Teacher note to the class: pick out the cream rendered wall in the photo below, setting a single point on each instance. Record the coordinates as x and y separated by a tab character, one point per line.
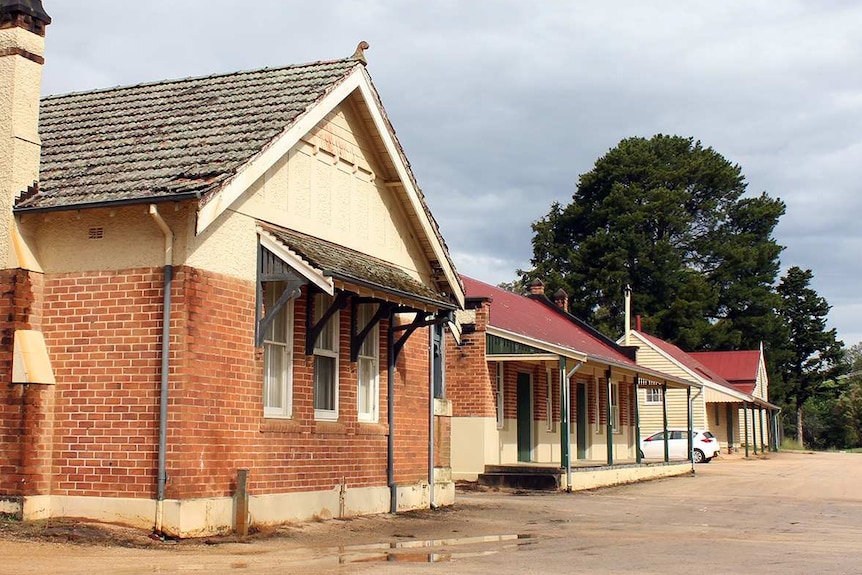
126	237
330	186
20	84
469	456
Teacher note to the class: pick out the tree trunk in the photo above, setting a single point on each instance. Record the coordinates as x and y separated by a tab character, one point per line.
799	427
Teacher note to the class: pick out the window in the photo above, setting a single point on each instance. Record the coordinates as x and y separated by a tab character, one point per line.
653	394
717	409
500	395
438	363
549	400
325	361
598	409
368	366
615	407
278	356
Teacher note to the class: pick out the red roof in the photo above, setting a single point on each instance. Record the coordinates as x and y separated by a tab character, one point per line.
531	318
687	360
738	367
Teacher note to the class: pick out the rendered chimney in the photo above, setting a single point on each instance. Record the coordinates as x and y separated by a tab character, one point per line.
22	48
561	298
537	287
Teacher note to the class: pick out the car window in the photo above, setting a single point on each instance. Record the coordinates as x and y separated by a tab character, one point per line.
656	436
708	435
676	434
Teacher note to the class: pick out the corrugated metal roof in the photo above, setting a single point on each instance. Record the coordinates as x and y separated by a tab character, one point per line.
740	368
167	139
685	359
531	318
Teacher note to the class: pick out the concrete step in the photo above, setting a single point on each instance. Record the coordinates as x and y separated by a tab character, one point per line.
532	480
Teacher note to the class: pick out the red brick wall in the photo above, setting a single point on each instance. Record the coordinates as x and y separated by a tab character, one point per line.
470	380
26	420
103	331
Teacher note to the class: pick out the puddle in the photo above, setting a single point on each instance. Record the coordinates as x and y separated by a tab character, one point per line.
431	550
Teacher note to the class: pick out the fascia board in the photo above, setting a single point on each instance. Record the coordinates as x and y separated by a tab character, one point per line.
392	148
526	340
273	152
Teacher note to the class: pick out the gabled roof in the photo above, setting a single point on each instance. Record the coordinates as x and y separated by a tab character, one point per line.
529	317
683	359
740	368
209	139
168	139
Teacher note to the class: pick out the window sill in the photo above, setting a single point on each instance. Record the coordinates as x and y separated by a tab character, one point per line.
372	428
280	426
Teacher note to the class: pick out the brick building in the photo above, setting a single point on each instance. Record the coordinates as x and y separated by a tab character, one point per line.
518	356
215	287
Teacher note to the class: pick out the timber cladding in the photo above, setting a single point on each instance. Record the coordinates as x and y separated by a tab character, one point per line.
103	332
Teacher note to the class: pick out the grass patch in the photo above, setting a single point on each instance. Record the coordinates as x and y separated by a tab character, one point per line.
791	445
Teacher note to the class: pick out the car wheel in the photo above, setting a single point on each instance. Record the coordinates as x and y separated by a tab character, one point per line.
698	456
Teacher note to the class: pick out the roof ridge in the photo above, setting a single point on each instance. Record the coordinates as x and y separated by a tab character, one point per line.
202	77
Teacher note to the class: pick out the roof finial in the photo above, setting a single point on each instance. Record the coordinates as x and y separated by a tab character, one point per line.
359	55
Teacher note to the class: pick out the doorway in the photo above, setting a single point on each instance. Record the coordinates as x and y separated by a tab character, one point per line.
582	420
525	417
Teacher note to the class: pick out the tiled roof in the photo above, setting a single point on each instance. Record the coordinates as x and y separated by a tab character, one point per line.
168	139
528	317
738	367
349	265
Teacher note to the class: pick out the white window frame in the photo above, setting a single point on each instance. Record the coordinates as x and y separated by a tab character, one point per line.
649	391
365	313
549	399
501	385
329	350
615	407
281	343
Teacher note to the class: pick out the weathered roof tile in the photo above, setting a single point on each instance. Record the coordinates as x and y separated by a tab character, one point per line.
168	138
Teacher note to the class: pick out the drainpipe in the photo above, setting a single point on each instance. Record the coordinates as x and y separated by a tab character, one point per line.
163	395
431	373
390	415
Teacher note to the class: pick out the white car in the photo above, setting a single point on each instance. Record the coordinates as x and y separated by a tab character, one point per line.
705	445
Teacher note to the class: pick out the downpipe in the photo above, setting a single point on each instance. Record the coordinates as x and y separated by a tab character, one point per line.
163	390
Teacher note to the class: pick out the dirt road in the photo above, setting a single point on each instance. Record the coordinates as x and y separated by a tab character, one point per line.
791	513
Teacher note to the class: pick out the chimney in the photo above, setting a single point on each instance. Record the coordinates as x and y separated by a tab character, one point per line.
561	298
537	287
627	294
22	47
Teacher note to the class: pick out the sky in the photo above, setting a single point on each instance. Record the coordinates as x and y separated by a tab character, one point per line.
501	105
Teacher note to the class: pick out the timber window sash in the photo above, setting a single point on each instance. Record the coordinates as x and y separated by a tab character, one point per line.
278	355
549	399
368	364
615	407
325	354
652	395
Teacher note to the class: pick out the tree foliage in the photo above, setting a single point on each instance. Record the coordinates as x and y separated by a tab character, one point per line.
666	216
813	354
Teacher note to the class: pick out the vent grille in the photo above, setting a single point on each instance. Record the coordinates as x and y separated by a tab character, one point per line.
96	233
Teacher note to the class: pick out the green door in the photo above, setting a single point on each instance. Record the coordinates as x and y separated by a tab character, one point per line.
582	421
525	417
